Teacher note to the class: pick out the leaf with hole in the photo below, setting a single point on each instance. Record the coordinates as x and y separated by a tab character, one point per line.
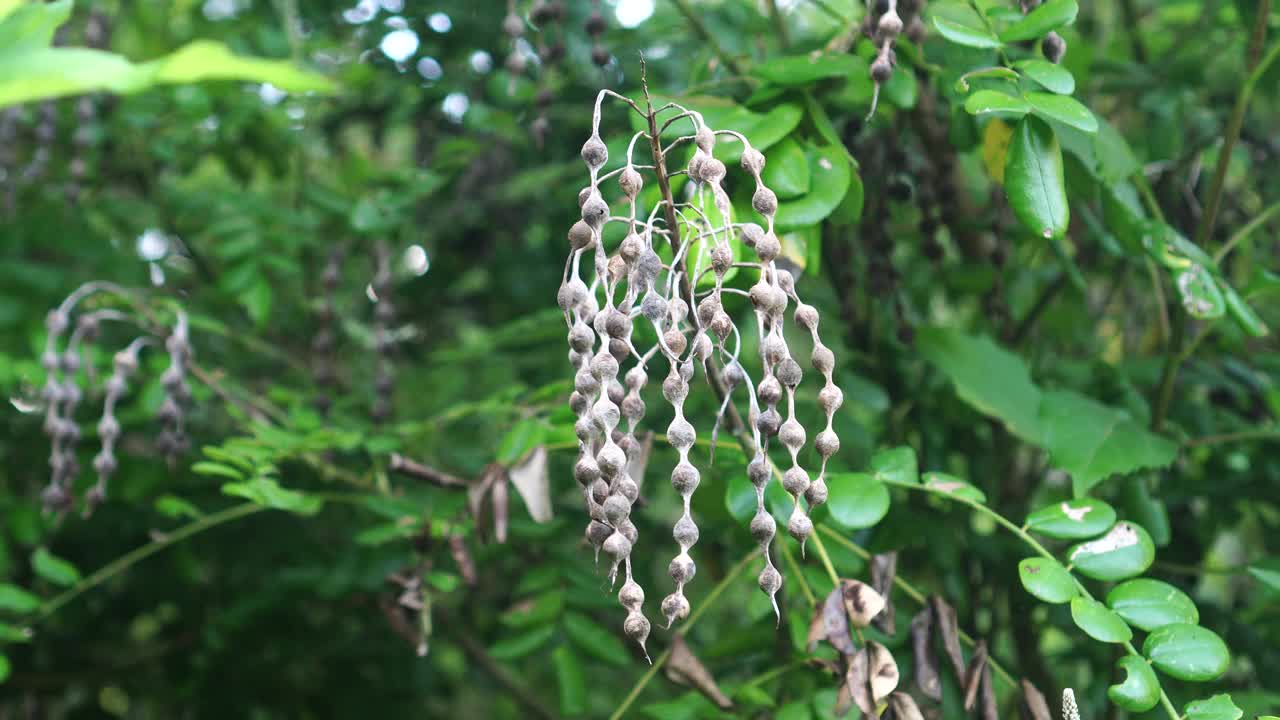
1051	77
1187	652
985	102
1200	294
1140	690
1072	519
1149	604
1124	552
953	486
1218	707
1098	622
856	500
1034	181
966	35
1047	580
1041	21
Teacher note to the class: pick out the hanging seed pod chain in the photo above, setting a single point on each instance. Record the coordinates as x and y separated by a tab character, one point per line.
603	294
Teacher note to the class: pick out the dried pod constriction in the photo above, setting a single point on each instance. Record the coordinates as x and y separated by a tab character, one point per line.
1034	705
883	569
944	616
928	679
172	441
973	674
603	296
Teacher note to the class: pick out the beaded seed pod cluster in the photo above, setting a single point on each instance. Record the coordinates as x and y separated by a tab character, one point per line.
692	328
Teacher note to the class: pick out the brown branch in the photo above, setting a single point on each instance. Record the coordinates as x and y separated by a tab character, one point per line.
410	468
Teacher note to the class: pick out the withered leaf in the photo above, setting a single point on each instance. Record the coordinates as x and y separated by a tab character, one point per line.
530	478
861	602
844	701
462	557
883	569
882	671
926	664
834	623
945	617
857	680
1034	706
990	710
501	507
903	707
685	668
973	674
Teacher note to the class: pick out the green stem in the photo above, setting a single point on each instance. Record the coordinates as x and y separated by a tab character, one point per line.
128	560
795	569
1034	545
1245	231
684	628
1259	434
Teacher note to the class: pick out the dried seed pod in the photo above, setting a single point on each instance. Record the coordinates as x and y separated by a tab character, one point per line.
1054	47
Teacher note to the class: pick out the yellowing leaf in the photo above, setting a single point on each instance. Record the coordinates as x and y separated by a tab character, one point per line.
995	145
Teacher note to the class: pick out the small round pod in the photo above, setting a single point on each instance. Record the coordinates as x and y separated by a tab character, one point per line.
685	532
675	607
675	340
581	338
595	211
712	170
631	596
824	361
512	25
768	247
768	422
799	526
705	139
769	390
571	294
1053	47
752	161
631	182
751	234
618	546
817	493
685	479
827	443
792	435
653	307
616	509
795	480
889	26
594	152
758	470
586	471
770	582
789	373
680	434
881	70
636	627
763	527
764	201
682	569
674	388
830	398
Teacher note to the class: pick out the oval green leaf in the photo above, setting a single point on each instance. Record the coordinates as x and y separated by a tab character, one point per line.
523	644
1148	604
572	681
16	600
1187	652
595	640
896	465
1034	181
53	568
953	486
1047	580
997	72
966	35
829	173
1124	552
1098	622
787	170
4	668
1064	109
985	102
1140	690
1244	315
1053	78
804	69
1200	294
1218	707
1039	22
1073	519
856	500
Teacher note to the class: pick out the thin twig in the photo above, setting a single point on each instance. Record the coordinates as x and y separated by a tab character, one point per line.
1242	436
398	463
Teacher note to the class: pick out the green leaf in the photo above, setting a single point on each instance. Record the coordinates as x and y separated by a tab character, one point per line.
539	610
989	378
268	493
966	35
1039	22
4	668
173	506
1047	580
829	173
13	634
896	465
594	640
1051	77
571	680
1148	604
1098	622
32	24
1218	707
206	467
993	101
523	644
792	70
768	130
999	72
39	73
1244	315
787	169
1124	552
1064	109
1092	441
520	439
954	486
17	600
856	500
1187	652
1034	181
1269	576
1200	294
53	568
1140	690
1073	519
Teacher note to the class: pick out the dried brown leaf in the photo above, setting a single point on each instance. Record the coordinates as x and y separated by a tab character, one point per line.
501	506
858	680
835	623
530	478
462	558
1034	706
883	569
926	664
861	602
973	674
685	668
844	701
990	709
944	616
882	671
903	707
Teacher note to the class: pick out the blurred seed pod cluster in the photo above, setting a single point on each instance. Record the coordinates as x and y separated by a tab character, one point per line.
632	284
